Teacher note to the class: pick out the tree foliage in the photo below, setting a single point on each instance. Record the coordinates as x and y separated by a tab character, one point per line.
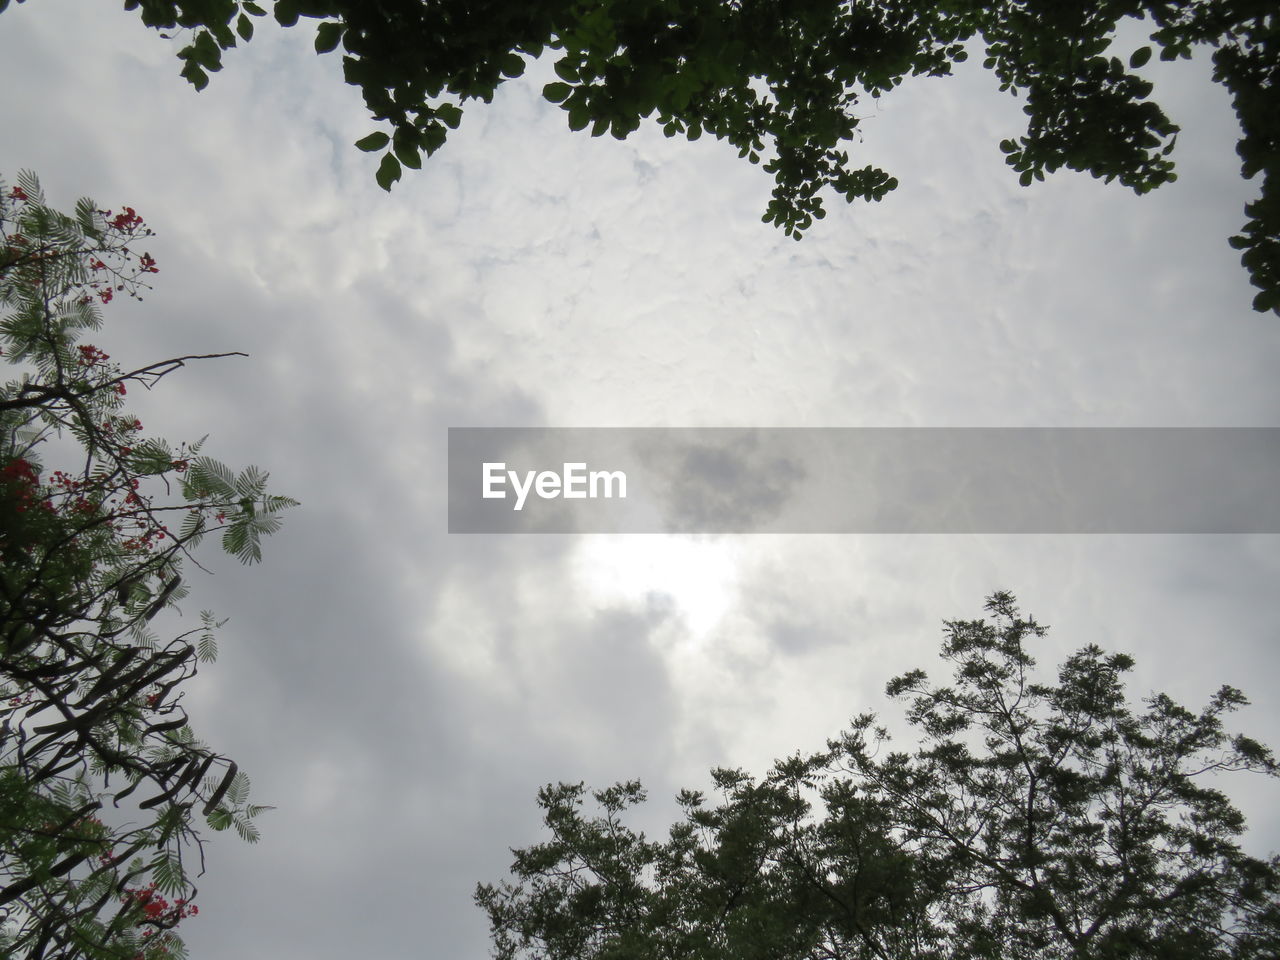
1037	820
102	780
781	81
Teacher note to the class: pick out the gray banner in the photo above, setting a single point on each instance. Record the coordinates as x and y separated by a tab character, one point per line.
872	480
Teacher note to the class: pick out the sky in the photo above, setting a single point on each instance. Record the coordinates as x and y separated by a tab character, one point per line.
398	693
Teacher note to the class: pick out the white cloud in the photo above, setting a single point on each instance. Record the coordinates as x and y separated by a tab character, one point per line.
399	693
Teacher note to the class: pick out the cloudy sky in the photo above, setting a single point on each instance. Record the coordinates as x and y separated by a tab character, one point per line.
398	693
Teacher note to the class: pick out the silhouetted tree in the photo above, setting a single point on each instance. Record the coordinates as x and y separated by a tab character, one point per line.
781	81
1035	819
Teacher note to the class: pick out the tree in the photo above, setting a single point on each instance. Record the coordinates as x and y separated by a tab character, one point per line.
1034	820
781	82
102	781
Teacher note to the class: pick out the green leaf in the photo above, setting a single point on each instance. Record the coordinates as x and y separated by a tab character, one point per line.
433	137
241	541
512	65
450	113
1140	57
388	172
374	141
286	12
222	33
205	50
565	70
168	874
1267	300
194	75
276	503
244	27
409	155
251	482
208	475
328	35
207	649
557	92
238	792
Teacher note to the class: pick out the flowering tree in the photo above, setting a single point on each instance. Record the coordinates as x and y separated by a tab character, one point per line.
102	781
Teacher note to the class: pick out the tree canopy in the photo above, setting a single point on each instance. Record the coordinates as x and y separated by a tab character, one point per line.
1036	819
103	783
780	81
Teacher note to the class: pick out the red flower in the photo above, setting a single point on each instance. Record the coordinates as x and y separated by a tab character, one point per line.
19	469
127	220
90	355
17	193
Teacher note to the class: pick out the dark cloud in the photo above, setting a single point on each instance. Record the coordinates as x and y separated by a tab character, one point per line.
399	694
726	482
